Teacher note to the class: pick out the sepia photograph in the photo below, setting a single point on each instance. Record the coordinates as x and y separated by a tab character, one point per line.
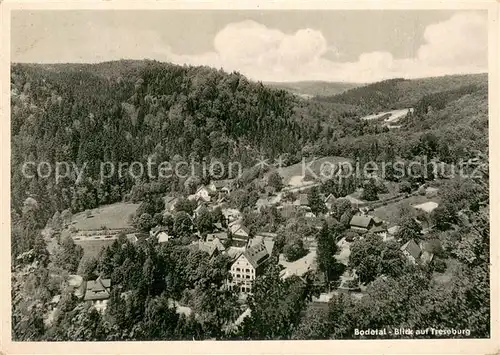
248	174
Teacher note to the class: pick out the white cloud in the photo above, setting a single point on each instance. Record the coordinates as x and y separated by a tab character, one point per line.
457	45
461	40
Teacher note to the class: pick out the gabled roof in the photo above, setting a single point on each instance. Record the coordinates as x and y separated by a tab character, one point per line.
360	221
163	237
156	230
234	252
239	243
209	247
412	248
268	243
330	197
256	255
211	187
97	289
237	228
218	235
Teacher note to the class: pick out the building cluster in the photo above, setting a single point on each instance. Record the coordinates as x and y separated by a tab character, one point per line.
249	253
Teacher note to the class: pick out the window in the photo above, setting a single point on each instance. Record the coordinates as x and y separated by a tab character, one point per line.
248	276
237	269
247	270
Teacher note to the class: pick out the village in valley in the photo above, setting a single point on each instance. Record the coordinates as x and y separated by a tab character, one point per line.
261	177
211	221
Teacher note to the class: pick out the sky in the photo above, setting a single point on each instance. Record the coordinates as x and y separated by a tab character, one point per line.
272	45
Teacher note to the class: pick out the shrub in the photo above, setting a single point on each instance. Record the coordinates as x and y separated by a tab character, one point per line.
439	265
294	250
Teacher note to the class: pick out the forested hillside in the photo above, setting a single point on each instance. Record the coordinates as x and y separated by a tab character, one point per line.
401	93
135	111
128	111
314	88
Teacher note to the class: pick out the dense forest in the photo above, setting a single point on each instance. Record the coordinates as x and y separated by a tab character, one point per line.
128	111
313	88
399	93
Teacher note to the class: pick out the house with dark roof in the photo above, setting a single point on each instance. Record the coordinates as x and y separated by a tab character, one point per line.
247	266
260	239
212	248
411	250
98	292
366	223
219	235
239	231
360	223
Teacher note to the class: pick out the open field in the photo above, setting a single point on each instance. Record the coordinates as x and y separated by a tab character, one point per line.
113	216
93	245
393	190
390	212
390	116
292	174
92	248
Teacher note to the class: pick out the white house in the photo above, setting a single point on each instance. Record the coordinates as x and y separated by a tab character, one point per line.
247	266
163	237
203	193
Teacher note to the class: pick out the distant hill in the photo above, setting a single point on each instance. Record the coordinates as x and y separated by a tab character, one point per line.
397	93
308	89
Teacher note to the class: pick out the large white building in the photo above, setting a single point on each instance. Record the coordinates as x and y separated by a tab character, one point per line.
247	266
